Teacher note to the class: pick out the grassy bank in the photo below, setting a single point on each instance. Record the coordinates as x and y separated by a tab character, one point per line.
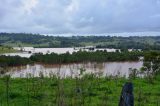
6	50
87	91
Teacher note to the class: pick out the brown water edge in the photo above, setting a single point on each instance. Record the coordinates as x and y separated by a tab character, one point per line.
56	65
68	70
86	62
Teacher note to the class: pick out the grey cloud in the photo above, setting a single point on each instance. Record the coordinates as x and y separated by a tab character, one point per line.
79	16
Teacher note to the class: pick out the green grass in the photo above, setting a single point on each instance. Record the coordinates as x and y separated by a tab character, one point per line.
87	91
6	50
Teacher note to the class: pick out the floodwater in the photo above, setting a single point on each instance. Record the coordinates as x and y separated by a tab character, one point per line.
69	70
73	70
28	51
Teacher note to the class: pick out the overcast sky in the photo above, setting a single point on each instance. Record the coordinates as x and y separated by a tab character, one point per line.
79	16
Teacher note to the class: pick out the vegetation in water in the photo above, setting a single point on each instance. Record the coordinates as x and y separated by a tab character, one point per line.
83	90
83	56
76	57
6	61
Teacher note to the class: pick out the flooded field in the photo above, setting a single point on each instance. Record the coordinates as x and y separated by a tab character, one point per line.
28	51
70	70
73	70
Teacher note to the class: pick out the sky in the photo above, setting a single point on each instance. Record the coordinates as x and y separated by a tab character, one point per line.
80	16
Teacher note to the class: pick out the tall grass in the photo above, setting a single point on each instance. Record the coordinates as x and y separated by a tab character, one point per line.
86	90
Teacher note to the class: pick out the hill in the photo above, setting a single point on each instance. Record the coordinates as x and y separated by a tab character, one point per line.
37	40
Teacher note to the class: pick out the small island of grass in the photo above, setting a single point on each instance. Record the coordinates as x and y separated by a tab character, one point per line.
6	49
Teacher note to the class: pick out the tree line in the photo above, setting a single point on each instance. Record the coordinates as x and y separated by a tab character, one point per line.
37	40
6	61
84	56
75	57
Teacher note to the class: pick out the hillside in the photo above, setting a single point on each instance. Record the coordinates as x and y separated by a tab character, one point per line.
37	40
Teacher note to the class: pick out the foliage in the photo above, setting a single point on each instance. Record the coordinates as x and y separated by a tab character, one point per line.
83	56
6	61
152	62
151	65
37	40
76	57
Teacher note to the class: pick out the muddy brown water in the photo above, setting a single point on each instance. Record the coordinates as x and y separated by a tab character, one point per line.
72	70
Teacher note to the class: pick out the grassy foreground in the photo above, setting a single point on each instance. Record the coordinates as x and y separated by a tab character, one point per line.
87	91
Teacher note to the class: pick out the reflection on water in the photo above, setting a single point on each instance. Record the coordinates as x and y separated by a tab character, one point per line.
28	51
21	54
72	70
